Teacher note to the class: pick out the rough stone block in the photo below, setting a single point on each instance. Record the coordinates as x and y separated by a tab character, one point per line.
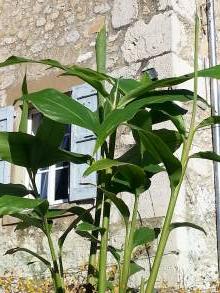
163	34
124	12
185	8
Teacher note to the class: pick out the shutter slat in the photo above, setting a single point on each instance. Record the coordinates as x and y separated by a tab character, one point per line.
6	124
82	141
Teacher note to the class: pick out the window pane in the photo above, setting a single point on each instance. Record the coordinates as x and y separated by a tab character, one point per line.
36	119
42	184
62	184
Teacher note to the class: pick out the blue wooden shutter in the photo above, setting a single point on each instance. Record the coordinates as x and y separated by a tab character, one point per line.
6	124
82	141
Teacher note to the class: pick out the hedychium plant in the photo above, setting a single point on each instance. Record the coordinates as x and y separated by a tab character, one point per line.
138	104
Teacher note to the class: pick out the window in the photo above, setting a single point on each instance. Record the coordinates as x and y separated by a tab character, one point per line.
6	124
65	182
52	182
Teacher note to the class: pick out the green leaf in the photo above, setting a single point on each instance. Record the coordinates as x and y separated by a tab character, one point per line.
13	60
100	49
134	268
170	137
85	227
130	178
155	146
133	156
209	121
118	116
82	214
127	177
88	75
206	155
186	224
115	253
10	204
169	111
51	132
62	108
213	72
102	165
126	85
28	220
28	151
120	204
14	189
24	115
43	260
144	235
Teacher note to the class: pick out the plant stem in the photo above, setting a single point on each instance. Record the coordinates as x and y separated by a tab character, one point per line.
175	192
92	267
128	249
101	67
57	279
103	246
105	224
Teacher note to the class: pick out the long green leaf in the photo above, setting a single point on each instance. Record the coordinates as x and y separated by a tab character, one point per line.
130	178
10	204
209	121
118	116
213	72
82	214
100	49
170	137
62	108
51	132
102	165
85	227
24	114
14	189
88	75
186	224
155	146
28	151
206	155
43	260
120	204
127	177
134	156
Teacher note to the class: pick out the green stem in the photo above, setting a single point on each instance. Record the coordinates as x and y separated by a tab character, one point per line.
92	267
105	224
57	279
104	246
128	249
175	192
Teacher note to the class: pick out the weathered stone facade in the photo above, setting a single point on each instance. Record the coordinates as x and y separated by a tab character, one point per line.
141	34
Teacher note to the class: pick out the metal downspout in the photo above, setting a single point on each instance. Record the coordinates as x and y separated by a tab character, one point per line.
215	102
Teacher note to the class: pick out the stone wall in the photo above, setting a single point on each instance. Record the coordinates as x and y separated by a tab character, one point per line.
141	34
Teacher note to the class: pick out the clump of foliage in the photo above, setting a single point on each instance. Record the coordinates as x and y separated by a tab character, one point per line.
138	104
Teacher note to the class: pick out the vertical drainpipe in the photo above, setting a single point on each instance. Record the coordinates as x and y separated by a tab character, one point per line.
215	102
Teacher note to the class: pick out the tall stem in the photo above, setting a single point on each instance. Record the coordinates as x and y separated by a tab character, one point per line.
105	225
128	249
174	194
57	279
101	67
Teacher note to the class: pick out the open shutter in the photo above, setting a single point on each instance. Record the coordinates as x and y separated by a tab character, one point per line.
82	141
6	124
